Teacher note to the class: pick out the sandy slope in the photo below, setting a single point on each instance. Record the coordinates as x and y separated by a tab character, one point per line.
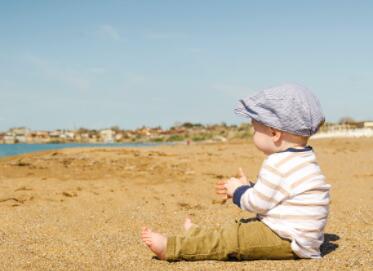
82	209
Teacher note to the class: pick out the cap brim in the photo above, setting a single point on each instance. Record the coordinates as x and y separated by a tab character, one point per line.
244	109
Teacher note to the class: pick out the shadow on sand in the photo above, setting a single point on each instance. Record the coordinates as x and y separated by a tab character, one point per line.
328	245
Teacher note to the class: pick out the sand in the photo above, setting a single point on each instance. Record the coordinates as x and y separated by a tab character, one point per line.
82	209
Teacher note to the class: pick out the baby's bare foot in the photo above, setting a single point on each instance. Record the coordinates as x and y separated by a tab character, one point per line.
155	241
188	224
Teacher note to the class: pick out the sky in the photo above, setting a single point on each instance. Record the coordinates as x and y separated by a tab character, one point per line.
96	64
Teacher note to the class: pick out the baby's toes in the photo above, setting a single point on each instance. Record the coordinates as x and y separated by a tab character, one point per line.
148	242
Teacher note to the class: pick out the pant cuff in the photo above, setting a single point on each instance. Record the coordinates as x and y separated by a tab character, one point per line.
170	250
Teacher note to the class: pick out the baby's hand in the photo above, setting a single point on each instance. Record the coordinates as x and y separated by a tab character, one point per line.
231	185
227	190
221	189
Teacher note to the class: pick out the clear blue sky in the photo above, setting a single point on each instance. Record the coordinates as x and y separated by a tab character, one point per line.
94	64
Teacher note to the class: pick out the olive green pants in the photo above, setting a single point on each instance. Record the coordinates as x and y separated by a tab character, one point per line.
247	239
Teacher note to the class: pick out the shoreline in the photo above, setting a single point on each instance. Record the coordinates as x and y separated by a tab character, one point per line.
21	148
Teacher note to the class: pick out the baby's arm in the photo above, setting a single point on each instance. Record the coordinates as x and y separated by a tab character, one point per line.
268	192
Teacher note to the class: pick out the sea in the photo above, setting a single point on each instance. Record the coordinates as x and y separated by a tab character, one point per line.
14	149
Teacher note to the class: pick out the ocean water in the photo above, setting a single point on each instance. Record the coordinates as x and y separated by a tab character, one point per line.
14	149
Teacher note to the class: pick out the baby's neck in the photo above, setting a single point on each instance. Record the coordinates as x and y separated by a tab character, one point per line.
290	141
284	147
288	145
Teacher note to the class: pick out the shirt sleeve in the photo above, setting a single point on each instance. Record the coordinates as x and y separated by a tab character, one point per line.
268	192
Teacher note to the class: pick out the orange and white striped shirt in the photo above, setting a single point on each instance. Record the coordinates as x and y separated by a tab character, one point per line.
292	198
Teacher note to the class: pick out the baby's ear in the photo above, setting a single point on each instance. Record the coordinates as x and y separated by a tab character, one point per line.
276	134
273	131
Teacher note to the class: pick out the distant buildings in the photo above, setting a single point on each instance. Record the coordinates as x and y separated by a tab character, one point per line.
346	129
16	135
39	137
367	124
186	132
107	136
9	139
347	125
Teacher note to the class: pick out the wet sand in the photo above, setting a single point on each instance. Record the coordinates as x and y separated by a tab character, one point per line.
83	209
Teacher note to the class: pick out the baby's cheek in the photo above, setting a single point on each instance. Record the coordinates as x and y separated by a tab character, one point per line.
257	140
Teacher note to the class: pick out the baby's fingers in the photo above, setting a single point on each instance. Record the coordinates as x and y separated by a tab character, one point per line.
220	182
220	189
240	171
221	192
242	175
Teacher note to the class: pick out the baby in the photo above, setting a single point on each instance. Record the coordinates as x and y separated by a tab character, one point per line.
290	196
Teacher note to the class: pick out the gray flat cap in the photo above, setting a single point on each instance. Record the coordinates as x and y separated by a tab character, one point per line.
290	107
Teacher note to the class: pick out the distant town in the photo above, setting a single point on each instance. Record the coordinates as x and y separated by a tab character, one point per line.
181	132
185	132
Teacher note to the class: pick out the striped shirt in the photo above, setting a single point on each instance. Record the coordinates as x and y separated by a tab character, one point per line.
292	198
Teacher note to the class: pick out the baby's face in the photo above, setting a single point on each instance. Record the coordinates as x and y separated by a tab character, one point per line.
263	138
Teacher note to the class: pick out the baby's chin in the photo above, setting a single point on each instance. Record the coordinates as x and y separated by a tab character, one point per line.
266	150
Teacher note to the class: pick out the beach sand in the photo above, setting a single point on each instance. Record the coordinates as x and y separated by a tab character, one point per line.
83	209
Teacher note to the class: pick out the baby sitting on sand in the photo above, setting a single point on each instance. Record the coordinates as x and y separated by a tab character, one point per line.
290	196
